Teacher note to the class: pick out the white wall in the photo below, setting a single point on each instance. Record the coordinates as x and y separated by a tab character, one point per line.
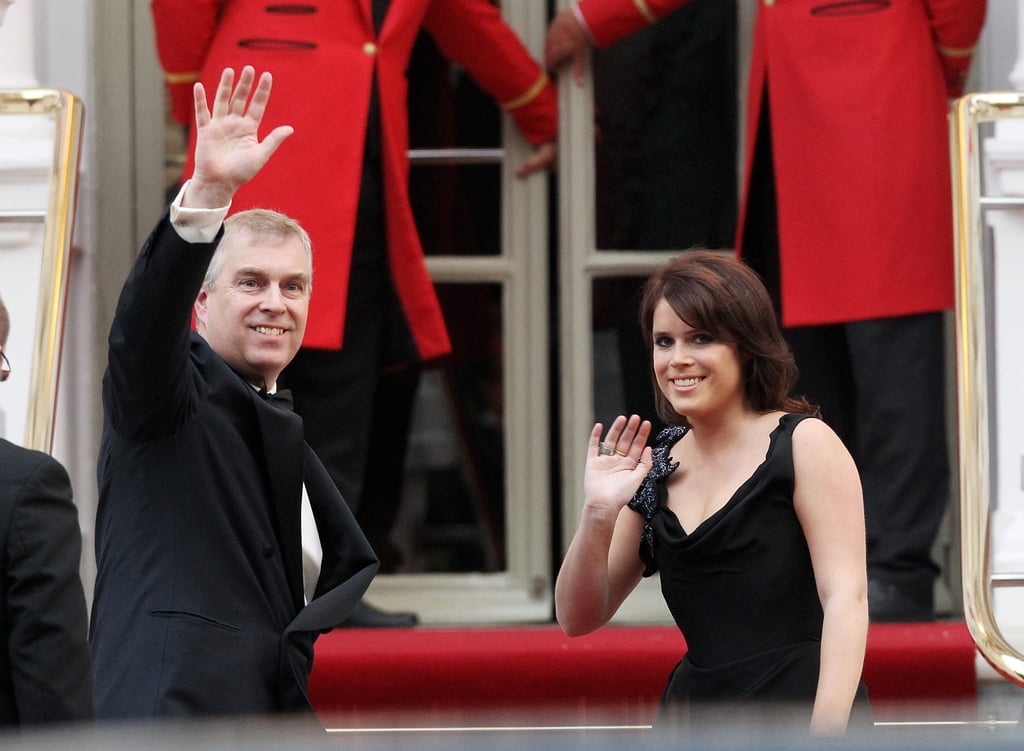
48	43
64	59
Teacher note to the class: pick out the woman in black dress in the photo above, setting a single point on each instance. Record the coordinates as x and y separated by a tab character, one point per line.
748	505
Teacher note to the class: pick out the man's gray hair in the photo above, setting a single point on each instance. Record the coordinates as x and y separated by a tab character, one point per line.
261	224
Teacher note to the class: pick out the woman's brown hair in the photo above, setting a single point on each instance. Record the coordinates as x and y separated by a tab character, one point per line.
718	293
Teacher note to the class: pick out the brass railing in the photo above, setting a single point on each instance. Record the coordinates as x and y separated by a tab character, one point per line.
67	110
969	114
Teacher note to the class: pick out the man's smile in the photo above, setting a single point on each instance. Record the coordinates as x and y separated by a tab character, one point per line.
269	330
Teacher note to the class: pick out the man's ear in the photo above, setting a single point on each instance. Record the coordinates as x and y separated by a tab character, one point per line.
200	309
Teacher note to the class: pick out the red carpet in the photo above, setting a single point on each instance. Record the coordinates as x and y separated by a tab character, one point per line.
538	676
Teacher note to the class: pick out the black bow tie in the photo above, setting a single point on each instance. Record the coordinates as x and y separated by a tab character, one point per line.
281	398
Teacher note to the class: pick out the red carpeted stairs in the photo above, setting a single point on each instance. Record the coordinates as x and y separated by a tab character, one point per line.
516	676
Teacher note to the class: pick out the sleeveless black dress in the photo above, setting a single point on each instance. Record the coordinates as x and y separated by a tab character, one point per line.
741	589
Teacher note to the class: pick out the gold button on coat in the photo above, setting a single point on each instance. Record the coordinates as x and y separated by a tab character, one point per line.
370	48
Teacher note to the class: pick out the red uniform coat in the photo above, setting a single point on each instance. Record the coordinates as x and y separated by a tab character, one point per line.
323	55
858	104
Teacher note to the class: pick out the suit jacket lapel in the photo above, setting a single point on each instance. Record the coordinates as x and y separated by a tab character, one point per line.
283	445
349	563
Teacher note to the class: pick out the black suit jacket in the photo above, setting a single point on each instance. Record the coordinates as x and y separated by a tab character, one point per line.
45	669
198	606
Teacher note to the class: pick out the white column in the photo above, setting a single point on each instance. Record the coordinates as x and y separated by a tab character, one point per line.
1017	73
16	45
26	156
64	52
1004	162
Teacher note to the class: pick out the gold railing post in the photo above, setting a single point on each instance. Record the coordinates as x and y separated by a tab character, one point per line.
68	111
973	382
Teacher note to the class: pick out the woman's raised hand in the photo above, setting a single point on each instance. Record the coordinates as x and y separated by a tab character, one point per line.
616	465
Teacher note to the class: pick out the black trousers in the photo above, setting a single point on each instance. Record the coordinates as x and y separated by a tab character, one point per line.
881	386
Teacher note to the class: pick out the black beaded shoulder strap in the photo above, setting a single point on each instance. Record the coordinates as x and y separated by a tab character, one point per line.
645	502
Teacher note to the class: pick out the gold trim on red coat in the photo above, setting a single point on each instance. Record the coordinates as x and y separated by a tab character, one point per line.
645	10
955	51
190	77
528	96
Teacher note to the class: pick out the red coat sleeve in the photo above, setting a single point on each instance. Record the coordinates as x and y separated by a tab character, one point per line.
608	21
473	33
956	25
183	30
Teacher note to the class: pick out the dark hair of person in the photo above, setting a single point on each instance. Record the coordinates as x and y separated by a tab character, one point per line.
718	293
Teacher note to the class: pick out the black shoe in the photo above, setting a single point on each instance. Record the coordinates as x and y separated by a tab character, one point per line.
367	616
888	603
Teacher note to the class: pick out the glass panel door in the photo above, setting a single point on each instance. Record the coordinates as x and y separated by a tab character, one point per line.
472	538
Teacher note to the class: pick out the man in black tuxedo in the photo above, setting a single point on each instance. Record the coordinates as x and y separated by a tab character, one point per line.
45	669
200	607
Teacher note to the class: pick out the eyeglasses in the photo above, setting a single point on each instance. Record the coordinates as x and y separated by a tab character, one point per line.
5	366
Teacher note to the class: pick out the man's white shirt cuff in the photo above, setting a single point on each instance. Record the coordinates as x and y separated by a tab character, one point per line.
196	225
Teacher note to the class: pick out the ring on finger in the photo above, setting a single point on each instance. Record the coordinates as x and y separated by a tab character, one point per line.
621	453
605	450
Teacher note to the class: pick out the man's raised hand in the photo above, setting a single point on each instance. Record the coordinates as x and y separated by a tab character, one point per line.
228	150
